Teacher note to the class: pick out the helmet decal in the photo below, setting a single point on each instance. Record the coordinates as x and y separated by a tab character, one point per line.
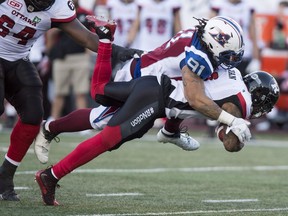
221	37
234	25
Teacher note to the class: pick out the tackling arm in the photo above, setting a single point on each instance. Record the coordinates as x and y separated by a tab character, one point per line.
195	94
81	34
196	97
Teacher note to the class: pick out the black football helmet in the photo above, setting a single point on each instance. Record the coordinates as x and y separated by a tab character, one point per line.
38	5
264	91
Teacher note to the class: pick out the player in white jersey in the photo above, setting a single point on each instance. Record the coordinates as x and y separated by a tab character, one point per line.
243	13
21	23
190	51
156	22
124	12
143	100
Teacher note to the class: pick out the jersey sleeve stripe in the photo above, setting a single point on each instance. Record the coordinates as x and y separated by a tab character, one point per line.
243	104
69	19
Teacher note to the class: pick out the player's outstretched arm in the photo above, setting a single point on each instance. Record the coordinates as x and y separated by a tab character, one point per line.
194	91
81	34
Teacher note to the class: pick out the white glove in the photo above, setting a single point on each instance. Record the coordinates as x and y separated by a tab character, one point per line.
253	65
240	128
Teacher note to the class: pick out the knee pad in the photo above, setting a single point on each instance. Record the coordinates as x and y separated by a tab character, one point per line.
29	105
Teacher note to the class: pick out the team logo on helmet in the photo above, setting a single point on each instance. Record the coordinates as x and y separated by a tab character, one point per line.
220	37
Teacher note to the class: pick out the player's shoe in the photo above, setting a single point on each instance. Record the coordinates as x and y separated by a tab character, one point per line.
42	143
7	187
183	140
105	29
47	184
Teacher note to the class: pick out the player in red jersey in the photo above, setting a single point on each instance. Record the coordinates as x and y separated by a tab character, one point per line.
143	100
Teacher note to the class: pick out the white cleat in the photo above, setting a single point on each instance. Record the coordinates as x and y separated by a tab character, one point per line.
182	140
42	144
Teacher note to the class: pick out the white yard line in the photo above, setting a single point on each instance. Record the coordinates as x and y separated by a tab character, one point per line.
164	170
114	194
230	201
22	188
193	212
5	149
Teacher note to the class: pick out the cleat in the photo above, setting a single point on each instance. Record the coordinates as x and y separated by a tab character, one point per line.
9	195
105	29
183	140
7	187
47	184
42	143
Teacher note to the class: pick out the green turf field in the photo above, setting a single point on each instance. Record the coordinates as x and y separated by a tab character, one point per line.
144	178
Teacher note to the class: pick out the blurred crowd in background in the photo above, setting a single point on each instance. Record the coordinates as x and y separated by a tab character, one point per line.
65	67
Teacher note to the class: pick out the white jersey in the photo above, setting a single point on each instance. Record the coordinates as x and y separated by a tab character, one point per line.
20	29
226	86
124	14
156	22
241	13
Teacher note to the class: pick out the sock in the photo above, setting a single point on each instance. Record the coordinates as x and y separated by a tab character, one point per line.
172	126
87	151
102	70
8	168
78	120
21	138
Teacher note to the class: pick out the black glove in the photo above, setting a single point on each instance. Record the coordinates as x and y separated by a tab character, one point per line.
123	54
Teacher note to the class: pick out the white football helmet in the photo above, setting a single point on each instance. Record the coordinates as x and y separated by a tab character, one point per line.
224	38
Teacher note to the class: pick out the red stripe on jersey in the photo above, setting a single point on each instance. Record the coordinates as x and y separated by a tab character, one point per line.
243	104
172	48
69	19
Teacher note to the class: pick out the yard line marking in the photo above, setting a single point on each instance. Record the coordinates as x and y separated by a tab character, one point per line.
192	212
114	194
229	201
21	188
5	149
164	170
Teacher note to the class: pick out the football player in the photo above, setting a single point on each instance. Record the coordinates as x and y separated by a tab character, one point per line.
143	100
156	22
198	52
22	22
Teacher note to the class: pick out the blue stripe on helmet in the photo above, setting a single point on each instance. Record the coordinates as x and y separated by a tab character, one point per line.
235	26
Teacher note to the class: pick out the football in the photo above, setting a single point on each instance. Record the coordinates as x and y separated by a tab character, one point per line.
229	140
220	132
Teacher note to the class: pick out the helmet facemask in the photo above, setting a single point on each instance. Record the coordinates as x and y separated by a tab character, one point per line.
229	59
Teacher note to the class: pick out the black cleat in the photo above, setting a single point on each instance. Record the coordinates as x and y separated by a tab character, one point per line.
7	187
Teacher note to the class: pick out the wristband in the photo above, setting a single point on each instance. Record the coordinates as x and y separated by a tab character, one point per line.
226	118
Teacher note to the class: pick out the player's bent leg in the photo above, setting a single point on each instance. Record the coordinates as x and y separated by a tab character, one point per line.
171	133
78	120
